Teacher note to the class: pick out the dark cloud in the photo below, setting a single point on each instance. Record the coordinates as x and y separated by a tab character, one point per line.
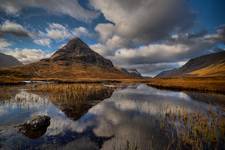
153	58
15	32
13	28
144	21
66	7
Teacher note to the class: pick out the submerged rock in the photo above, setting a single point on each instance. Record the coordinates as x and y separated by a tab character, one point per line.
35	127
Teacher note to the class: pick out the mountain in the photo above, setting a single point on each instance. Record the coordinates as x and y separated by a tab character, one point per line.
8	61
73	61
76	51
211	65
131	72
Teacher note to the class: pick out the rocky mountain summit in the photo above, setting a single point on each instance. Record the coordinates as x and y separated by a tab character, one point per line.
76	51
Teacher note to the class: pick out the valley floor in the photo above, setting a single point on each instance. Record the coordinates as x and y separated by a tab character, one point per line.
191	84
182	84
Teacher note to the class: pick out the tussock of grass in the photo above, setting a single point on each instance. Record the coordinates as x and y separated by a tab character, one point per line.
74	99
78	92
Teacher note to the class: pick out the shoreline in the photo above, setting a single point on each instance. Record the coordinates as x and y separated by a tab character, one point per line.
209	85
214	85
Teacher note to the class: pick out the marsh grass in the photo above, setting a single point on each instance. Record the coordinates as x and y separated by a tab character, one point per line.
73	99
7	92
76	92
195	130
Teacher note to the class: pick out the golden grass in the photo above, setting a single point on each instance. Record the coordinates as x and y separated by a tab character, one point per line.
73	99
8	92
213	70
76	71
194	84
196	130
78	92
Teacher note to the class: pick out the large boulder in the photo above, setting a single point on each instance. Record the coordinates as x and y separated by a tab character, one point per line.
35	127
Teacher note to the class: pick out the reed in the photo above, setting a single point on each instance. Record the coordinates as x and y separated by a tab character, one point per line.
196	130
77	92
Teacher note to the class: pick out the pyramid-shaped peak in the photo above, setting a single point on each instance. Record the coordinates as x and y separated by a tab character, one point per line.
76	51
75	43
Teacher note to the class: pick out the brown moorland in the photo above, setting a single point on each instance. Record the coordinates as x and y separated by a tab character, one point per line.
74	62
188	83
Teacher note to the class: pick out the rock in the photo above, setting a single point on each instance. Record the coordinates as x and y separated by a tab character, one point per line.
38	122
35	127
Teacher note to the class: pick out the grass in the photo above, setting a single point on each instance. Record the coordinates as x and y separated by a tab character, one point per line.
79	92
196	130
8	92
192	84
180	129
73	99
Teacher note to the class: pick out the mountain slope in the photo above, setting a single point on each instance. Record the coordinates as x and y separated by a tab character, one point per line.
131	72
8	61
76	51
211	65
74	61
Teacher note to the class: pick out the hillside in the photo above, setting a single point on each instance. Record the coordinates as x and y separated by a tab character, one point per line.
8	61
74	61
131	72
211	65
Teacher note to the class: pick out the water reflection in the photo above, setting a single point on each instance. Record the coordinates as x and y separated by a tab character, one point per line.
133	116
128	118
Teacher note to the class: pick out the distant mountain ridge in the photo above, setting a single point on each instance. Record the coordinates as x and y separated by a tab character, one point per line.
132	72
8	61
210	65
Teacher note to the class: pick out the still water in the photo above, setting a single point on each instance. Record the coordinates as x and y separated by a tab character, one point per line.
125	117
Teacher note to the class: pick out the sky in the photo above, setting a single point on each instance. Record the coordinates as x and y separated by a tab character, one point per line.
148	35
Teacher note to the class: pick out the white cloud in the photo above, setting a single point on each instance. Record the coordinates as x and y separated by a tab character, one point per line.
152	53
99	48
66	7
57	31
27	55
4	43
109	39
9	27
105	30
43	42
81	31
218	36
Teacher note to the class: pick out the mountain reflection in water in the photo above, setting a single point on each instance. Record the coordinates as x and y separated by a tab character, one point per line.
127	118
